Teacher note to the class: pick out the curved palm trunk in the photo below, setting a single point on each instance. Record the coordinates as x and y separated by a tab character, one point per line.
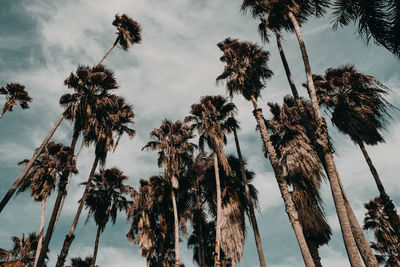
283	187
348	238
253	219
70	236
96	247
108	51
176	228
39	245
387	202
14	187
362	243
217	256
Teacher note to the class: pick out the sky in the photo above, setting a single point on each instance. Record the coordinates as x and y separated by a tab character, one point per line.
42	41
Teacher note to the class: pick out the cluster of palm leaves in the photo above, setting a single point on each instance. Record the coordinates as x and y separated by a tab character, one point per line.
206	193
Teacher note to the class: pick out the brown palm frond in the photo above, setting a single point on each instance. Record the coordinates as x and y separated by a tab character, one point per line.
129	31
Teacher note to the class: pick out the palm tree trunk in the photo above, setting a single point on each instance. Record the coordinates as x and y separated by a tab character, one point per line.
70	236
283	187
217	256
57	206
108	51
96	246
253	219
14	187
39	245
348	238
199	225
2	114
176	228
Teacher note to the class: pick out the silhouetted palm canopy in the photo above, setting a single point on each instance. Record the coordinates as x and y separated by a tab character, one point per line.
79	262
356	101
171	141
47	169
128	31
106	196
387	243
377	19
89	84
212	118
273	14
246	68
15	93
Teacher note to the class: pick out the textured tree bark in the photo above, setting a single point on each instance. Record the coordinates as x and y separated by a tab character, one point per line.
14	187
348	238
253	219
96	246
39	245
70	236
283	187
198	210
217	256
176	228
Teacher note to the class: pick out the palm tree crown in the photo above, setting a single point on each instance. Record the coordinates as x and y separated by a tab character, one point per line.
15	93
128	31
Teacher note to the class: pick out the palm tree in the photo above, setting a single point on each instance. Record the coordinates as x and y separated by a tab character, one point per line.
15	93
171	141
303	171
105	198
375	19
296	12
212	118
234	205
23	252
149	214
79	262
245	72
358	108
109	120
388	242
128	32
54	160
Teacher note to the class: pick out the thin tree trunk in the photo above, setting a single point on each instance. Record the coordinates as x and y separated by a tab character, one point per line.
57	208
199	225
348	238
253	219
70	236
39	245
108	51
96	247
19	179
289	205
283	187
176	228
2	114
217	256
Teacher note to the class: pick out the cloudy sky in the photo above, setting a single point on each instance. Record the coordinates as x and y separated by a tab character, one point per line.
42	41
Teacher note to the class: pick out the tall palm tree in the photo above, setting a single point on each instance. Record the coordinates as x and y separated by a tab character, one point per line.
171	141
246	72
54	160
109	120
212	117
303	171
129	31
388	242
358	108
79	262
14	93
234	205
375	19
104	199
296	12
